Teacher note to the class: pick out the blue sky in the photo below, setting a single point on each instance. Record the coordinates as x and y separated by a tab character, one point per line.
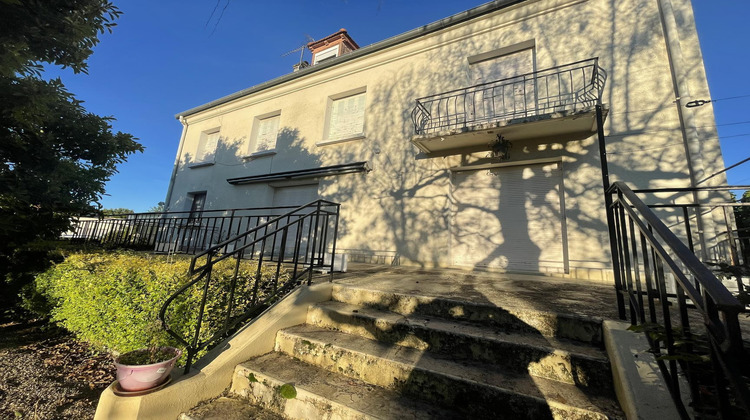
168	56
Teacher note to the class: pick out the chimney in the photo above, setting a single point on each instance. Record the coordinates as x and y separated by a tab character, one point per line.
332	46
299	66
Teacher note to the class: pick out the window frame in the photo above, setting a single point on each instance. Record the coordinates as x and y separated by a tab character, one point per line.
252	147
203	159
326	54
193	211
330	104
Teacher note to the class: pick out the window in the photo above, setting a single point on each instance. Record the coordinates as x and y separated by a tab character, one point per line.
207	146
502	67
346	119
197	205
266	133
326	54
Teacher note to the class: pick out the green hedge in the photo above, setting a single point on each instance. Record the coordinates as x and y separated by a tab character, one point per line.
111	300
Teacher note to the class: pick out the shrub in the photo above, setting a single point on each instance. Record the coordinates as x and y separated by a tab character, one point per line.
112	300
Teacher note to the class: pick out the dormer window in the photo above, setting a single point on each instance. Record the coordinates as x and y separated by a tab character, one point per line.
327	54
332	46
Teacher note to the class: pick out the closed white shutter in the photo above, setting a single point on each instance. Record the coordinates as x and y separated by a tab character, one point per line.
511	98
207	146
347	117
294	196
327	53
268	130
503	67
509	218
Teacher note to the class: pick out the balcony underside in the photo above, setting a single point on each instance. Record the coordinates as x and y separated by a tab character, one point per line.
478	136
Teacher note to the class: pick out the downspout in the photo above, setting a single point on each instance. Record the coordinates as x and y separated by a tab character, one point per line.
176	163
694	155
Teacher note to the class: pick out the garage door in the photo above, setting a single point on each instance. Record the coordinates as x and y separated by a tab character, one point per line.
510	218
294	196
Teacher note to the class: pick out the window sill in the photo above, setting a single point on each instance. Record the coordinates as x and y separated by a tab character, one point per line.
259	154
200	164
344	140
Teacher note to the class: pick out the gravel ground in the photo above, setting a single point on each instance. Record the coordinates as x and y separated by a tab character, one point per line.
46	374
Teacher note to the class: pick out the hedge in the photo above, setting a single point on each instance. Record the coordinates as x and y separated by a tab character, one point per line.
112	299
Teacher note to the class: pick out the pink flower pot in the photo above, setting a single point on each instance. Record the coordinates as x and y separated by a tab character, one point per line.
141	377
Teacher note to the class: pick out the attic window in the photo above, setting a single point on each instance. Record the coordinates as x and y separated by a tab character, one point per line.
327	54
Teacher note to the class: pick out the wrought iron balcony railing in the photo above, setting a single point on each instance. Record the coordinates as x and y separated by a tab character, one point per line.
570	87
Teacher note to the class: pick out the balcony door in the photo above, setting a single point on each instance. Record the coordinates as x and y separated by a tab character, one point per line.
506	93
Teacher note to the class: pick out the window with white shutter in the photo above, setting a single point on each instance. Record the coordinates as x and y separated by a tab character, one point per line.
347	117
265	135
207	146
332	52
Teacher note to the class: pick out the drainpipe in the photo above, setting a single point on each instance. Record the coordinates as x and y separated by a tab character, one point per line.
694	155
176	163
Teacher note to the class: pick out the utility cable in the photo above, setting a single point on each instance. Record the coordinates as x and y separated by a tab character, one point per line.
724	170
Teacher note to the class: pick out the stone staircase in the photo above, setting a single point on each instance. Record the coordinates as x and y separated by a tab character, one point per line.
377	354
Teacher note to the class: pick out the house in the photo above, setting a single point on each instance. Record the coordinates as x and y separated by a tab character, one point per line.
472	141
488	139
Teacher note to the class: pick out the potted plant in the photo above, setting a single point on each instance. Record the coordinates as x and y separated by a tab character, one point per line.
147	368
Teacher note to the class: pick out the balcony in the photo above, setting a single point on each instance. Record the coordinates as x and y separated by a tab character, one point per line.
552	102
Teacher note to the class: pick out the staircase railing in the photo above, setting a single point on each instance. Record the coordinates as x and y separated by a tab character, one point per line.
650	259
286	249
171	232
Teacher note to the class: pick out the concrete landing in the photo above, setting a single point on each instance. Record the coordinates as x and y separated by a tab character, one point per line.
506	290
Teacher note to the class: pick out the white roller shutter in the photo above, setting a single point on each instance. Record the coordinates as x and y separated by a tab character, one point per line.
293	196
510	218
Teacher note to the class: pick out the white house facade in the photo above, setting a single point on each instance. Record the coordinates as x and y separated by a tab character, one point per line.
472	141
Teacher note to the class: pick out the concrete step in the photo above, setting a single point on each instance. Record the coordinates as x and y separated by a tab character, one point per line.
229	409
322	394
479	388
549	324
548	357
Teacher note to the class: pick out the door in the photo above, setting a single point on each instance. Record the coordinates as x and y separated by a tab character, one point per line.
293	196
510	218
513	96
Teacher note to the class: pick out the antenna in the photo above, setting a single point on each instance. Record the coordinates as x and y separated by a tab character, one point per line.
301	48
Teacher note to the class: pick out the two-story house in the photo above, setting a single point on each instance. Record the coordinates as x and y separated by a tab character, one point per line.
472	141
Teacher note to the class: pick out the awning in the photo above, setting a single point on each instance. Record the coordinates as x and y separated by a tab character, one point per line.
347	168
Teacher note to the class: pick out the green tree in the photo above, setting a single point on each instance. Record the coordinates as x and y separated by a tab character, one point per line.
117	211
158	208
55	157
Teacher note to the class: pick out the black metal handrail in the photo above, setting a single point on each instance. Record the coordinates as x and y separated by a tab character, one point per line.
174	231
645	250
292	244
730	253
568	87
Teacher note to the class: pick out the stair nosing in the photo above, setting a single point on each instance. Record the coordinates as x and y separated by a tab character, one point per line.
441	361
574	316
550	348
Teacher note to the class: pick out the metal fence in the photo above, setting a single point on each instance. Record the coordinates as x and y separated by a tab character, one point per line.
568	87
172	232
694	331
287	248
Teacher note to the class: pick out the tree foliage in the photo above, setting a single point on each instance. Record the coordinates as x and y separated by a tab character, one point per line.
55	157
117	211
59	32
158	208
